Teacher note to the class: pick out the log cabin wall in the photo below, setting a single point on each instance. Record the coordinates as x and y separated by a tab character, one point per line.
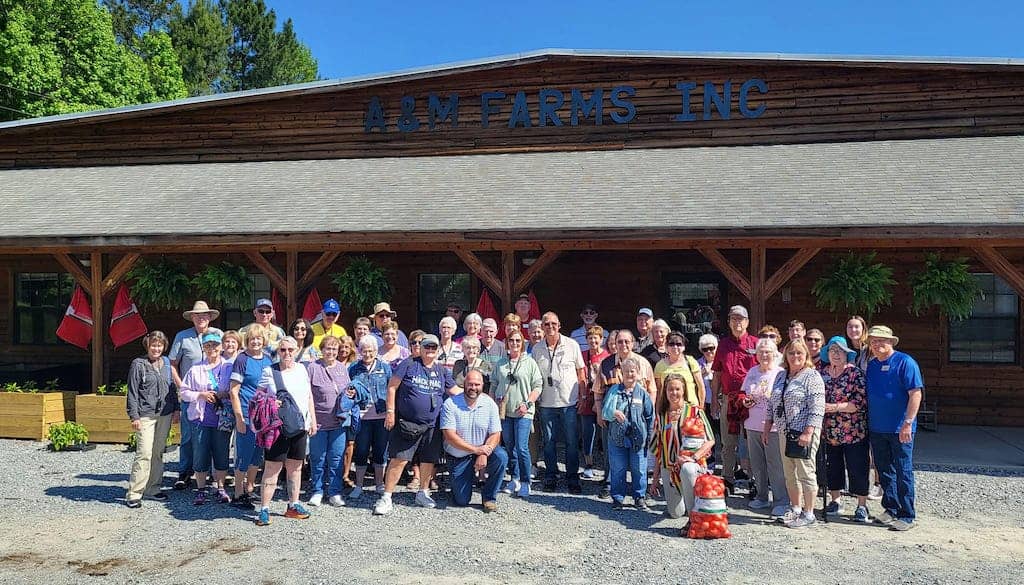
618	282
805	102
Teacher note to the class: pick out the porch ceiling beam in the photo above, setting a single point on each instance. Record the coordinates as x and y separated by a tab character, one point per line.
726	268
118	272
74	268
481	270
788	270
533	271
318	267
998	264
268	270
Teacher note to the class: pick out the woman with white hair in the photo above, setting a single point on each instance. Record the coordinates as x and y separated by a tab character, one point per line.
448	351
658	350
472	360
371	374
765	457
472	325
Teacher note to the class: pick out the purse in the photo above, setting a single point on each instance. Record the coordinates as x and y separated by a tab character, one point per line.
793	448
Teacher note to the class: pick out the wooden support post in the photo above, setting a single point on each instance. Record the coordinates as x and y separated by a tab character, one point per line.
480	269
74	268
757	286
98	322
727	269
999	265
787	270
291	271
508	273
318	267
118	271
264	266
530	274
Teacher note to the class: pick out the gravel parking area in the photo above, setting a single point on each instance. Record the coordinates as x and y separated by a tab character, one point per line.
63	521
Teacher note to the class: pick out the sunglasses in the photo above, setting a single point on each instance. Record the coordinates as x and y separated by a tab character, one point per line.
770	336
330	314
814	340
417	342
550	324
675	344
299	328
428	346
707	349
286	350
264	311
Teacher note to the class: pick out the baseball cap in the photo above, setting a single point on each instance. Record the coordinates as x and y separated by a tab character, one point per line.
645	311
739	310
429	339
331	306
264	303
210	336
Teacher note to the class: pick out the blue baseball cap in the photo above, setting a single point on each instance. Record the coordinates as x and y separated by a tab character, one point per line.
210	336
332	306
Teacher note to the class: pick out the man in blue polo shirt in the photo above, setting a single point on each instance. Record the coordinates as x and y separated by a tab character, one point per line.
472	438
895	388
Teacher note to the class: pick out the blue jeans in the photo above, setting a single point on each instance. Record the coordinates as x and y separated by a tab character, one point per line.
464	476
560	420
209	443
327	447
372	435
515	432
185	448
895	463
621	460
588	429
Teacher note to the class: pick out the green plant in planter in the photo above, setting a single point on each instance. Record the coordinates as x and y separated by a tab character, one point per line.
362	284
52	385
64	435
855	284
945	284
30	386
12	387
161	285
223	284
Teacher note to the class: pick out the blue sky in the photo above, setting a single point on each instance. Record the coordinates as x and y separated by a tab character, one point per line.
354	38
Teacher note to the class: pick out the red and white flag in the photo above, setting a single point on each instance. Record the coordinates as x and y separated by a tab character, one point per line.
313	310
76	326
126	323
279	314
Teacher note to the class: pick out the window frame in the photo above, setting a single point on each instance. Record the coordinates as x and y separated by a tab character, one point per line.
422	321
64	281
1018	329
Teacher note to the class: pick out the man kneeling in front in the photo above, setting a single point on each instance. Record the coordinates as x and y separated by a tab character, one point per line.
472	437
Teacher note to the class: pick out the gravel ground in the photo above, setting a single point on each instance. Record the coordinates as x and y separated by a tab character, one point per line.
63	521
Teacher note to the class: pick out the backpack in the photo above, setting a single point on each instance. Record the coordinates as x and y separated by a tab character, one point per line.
264	419
293	422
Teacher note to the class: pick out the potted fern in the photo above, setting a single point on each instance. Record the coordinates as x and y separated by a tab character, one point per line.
947	285
223	284
855	283
163	284
362	284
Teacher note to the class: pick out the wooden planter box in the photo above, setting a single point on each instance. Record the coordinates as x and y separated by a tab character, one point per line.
29	416
105	417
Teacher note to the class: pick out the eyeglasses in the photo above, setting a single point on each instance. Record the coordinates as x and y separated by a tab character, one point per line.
707	349
814	340
550	324
675	344
287	349
264	311
769	336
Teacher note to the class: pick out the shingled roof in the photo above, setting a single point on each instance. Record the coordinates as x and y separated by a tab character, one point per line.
940	182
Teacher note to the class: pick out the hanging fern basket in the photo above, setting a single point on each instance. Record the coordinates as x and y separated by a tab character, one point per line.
855	283
947	285
223	284
362	284
163	284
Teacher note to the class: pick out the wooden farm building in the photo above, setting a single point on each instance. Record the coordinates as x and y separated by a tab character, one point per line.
623	179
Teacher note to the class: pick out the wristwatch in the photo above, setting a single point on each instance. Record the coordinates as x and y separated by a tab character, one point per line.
908	421
528	404
390	411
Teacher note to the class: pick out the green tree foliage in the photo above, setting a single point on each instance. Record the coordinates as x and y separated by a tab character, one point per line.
61	56
260	56
132	19
201	38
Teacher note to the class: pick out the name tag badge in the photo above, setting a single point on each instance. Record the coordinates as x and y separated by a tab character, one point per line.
637	401
885	368
751	351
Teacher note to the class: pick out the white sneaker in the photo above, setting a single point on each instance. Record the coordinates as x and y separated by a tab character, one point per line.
356	493
424	500
510	487
336	500
315	499
524	490
588	473
383	507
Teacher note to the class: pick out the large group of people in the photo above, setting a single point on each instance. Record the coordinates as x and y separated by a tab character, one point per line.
479	405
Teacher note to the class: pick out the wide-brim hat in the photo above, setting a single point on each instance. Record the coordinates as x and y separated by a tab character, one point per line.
201	307
382	307
883	332
851	355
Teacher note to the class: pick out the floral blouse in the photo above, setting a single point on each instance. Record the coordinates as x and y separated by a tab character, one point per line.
846	428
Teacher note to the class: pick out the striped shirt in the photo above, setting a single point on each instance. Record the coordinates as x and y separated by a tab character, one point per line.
669	440
802	402
472	425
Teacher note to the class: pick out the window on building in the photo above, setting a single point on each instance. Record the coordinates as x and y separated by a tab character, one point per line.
233	317
989	335
41	298
436	291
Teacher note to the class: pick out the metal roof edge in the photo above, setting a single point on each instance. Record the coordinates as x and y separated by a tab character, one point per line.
503	61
